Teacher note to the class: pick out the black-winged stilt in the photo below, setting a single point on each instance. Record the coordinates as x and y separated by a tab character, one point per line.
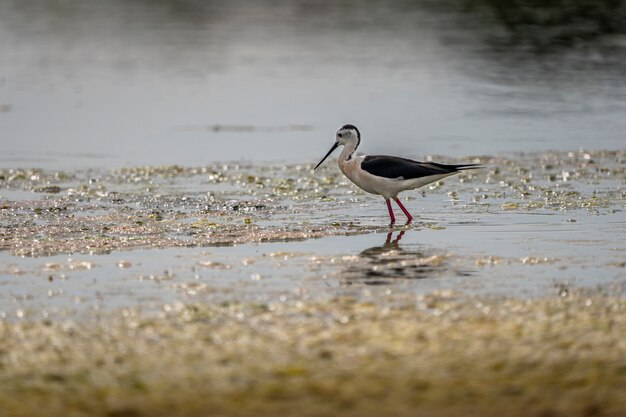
386	175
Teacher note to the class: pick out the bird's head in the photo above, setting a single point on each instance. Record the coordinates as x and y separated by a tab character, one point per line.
347	135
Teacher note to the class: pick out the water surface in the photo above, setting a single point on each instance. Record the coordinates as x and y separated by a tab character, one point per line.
87	241
116	84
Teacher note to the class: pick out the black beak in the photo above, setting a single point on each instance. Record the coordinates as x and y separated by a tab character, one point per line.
327	155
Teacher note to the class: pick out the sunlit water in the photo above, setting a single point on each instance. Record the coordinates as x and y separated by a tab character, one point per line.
525	256
89	86
86	84
85	242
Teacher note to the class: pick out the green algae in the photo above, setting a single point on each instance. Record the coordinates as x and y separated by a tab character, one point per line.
170	206
436	355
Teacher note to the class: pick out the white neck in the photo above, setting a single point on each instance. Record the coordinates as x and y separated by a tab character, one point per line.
347	151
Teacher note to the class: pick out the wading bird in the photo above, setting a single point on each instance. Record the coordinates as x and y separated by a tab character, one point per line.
386	175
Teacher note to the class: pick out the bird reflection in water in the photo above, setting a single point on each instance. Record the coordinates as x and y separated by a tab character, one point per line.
385	264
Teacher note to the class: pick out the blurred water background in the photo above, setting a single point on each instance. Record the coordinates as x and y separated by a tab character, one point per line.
126	82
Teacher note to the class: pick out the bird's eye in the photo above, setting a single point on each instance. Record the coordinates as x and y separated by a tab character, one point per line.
340	135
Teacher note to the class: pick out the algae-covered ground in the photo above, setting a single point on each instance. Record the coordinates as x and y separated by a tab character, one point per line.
45	213
241	289
432	356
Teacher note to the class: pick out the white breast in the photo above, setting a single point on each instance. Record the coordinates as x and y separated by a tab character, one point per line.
366	181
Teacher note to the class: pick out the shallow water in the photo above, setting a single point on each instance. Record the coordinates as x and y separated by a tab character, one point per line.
525	257
147	238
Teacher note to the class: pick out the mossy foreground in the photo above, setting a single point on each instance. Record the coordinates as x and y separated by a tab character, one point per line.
431	356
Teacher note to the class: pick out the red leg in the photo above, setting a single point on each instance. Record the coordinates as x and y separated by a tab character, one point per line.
388	240
406	213
397	239
393	218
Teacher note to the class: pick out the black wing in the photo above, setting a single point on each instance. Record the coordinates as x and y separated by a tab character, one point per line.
394	167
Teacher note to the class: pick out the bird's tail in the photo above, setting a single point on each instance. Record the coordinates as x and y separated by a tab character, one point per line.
462	167
457	167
